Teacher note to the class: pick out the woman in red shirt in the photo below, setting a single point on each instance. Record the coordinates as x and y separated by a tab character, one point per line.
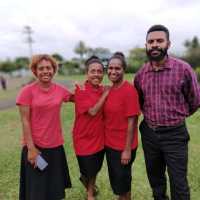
121	112
88	132
39	105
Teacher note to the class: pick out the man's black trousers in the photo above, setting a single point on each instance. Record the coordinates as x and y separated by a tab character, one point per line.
164	148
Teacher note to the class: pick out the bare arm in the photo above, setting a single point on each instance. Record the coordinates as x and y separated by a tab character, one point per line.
126	153
95	109
25	119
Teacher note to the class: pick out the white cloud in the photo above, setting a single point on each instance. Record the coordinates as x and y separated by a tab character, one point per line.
118	25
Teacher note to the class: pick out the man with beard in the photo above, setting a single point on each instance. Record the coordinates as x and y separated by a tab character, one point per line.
168	92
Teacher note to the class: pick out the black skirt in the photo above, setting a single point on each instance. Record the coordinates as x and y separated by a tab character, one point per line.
120	176
90	165
48	184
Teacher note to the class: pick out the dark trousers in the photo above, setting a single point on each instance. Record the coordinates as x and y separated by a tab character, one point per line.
166	148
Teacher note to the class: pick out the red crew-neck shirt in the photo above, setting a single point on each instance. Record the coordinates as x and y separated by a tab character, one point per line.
45	106
121	103
88	131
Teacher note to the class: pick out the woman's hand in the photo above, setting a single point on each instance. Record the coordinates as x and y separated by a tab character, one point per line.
106	90
125	157
79	86
33	152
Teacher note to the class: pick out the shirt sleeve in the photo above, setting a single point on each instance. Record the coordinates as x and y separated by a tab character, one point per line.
139	90
132	102
82	101
24	97
191	90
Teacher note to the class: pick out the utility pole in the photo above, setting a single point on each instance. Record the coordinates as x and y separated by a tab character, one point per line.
28	31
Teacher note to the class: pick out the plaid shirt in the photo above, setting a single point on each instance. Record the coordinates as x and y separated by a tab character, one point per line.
169	95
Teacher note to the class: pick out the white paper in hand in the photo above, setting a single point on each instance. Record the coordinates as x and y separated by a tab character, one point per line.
41	162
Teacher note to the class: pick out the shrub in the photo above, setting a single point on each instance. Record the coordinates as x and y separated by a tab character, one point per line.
197	70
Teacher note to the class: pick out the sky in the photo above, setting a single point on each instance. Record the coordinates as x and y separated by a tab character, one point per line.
119	25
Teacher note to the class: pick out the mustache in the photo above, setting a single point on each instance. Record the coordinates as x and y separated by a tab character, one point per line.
160	56
155	48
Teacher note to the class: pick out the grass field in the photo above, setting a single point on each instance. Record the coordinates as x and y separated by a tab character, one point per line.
10	132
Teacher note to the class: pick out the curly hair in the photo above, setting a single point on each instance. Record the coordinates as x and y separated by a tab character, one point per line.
36	59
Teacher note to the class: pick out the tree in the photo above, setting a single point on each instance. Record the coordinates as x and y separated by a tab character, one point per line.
71	67
21	62
58	57
60	61
136	58
81	49
198	73
101	52
193	44
192	52
7	66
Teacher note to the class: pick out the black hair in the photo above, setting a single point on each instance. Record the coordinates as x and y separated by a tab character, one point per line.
119	55
158	27
92	59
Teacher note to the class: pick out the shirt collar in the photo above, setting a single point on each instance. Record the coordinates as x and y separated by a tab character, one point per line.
166	65
89	86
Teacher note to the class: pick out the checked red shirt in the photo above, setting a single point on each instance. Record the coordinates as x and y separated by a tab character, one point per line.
169	95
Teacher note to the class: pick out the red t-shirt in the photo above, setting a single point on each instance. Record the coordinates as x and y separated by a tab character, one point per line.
121	103
45	107
88	131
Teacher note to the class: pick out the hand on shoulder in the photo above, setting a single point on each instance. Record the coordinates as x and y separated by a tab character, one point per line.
106	89
79	86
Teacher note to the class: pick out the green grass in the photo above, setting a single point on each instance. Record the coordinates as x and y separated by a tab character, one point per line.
10	158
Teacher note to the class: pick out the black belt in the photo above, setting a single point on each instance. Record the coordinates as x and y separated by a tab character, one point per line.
154	127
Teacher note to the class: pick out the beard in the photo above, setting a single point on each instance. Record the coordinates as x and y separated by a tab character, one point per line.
158	57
